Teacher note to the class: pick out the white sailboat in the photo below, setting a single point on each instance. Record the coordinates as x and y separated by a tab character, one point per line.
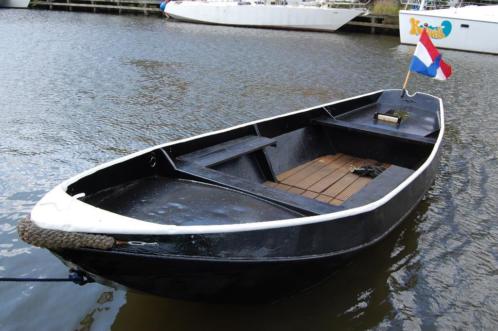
14	3
468	28
302	15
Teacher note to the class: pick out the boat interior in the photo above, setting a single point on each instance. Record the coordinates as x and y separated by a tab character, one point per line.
302	164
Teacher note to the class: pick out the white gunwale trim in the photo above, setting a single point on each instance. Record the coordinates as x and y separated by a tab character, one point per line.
57	210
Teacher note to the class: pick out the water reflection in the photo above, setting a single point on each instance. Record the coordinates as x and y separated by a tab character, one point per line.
357	296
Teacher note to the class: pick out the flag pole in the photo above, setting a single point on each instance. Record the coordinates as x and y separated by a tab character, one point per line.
403	89
406	79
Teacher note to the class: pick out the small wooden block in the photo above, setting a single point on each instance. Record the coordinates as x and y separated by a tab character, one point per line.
283	187
309	194
323	198
295	190
336	202
270	183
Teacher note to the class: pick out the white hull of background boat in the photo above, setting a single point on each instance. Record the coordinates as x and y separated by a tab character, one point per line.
469	28
269	16
14	3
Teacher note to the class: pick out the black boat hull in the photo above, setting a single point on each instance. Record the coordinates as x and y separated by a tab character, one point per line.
205	280
280	269
214	218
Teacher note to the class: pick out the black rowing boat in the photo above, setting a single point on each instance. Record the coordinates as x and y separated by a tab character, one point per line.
249	213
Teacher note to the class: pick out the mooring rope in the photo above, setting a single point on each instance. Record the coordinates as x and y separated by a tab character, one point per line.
75	276
56	239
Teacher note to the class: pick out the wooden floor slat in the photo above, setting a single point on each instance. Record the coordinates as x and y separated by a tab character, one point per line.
309	194
356	186
336	202
341	184
295	190
323	198
323	172
283	187
327	179
299	176
292	171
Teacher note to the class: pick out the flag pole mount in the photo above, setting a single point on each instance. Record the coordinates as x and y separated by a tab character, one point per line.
407	78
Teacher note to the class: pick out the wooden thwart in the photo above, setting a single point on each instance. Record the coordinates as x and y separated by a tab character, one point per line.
327	179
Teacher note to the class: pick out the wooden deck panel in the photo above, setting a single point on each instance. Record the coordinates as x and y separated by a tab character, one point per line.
310	194
292	171
283	187
356	186
304	173
313	177
341	184
295	190
327	179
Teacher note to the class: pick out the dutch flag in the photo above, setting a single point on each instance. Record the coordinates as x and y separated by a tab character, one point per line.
427	60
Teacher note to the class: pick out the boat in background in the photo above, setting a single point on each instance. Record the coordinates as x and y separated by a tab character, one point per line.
316	16
467	28
14	3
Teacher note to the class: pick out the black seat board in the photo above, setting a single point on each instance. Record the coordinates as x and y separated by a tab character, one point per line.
373	130
289	200
228	150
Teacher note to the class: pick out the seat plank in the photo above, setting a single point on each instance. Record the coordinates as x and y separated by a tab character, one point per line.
228	150
373	130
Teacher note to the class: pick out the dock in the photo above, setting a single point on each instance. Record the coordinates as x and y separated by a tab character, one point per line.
384	24
145	7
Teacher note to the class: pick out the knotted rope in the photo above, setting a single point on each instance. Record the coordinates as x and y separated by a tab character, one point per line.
56	239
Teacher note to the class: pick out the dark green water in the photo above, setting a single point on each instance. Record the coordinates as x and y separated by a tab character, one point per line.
80	89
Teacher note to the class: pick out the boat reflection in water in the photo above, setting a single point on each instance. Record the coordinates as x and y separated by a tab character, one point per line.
361	288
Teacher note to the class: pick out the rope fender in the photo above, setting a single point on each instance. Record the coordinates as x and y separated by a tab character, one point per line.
55	239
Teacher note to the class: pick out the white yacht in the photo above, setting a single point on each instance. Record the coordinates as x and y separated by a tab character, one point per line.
468	28
14	3
319	16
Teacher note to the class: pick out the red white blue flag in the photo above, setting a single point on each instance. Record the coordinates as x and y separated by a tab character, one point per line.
427	60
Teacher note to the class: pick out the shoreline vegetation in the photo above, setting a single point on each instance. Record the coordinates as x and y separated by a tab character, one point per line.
385	7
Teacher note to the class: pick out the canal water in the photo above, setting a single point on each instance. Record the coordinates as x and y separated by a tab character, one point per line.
79	89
